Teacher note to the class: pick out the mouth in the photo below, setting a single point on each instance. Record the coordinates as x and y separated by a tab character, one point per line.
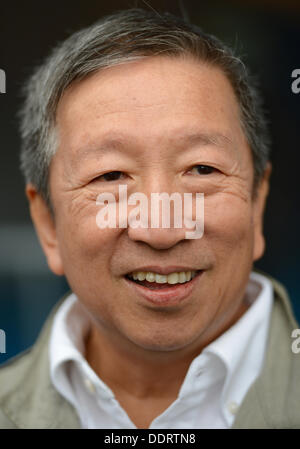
156	281
163	289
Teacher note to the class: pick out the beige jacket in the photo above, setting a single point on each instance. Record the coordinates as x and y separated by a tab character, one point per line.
29	401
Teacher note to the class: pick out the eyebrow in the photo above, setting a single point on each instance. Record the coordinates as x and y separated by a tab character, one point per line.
117	142
203	138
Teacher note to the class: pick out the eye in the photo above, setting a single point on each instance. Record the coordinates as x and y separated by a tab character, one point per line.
203	169
110	176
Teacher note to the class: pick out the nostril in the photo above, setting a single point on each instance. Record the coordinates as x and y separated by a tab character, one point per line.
157	238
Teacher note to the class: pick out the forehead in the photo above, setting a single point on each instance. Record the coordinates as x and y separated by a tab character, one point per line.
153	99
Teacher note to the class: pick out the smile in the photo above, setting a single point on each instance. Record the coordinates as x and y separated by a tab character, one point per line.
154	280
162	290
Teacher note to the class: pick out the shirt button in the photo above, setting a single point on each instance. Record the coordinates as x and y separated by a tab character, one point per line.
89	385
233	407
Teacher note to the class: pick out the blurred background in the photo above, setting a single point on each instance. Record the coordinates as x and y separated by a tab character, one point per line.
266	33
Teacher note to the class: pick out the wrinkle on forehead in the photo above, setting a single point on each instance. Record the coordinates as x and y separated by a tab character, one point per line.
173	93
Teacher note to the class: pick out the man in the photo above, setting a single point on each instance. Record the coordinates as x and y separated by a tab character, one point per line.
160	330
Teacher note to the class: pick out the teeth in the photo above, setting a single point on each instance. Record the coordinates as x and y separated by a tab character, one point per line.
172	278
150	277
182	277
161	278
141	275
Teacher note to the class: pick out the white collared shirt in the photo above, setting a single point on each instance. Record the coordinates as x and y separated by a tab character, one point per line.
214	386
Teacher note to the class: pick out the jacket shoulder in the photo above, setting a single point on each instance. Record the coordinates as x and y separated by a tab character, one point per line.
27	397
5	422
273	400
14	373
9	380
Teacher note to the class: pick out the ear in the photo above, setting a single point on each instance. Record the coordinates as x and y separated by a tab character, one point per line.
258	213
45	228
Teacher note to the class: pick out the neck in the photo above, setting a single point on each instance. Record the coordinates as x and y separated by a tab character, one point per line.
136	371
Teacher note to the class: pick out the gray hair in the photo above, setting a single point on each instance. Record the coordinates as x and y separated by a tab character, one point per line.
119	38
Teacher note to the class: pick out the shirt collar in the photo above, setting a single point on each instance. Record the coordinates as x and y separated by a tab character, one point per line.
70	328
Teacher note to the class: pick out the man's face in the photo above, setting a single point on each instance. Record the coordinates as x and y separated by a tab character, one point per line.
155	121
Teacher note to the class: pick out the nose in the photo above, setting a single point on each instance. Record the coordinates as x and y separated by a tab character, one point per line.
161	225
159	238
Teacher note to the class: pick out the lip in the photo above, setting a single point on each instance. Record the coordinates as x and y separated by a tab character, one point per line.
163	270
169	296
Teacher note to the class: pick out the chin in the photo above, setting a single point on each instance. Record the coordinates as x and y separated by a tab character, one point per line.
162	343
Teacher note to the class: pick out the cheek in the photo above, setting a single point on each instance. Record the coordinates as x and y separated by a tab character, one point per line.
229	237
228	224
85	248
